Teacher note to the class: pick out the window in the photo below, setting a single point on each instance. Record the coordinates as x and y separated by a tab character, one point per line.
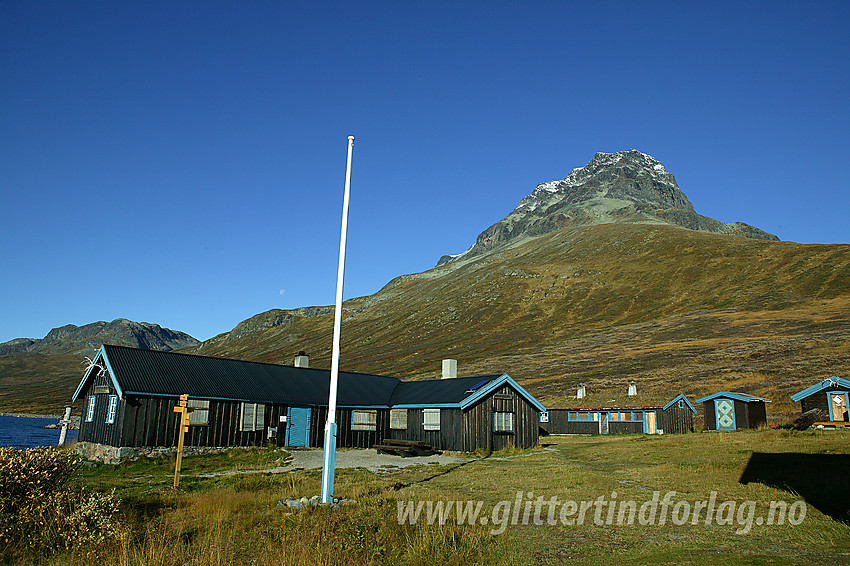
503	422
364	420
113	406
201	413
614	416
581	416
90	409
398	419
431	419
681	404
253	417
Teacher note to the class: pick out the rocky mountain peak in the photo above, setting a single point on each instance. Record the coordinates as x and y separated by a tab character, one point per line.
86	339
626	186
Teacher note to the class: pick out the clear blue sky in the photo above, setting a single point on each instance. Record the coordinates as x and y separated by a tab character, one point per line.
183	162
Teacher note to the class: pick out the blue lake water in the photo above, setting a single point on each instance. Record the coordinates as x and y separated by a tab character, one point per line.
27	432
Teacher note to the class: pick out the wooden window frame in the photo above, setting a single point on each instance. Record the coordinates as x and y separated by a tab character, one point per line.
431	425
112	409
502	420
201	415
90	408
397	418
257	418
368	424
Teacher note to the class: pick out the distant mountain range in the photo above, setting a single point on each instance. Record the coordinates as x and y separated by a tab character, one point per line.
88	338
606	276
39	375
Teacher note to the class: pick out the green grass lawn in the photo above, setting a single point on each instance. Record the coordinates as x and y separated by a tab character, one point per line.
235	519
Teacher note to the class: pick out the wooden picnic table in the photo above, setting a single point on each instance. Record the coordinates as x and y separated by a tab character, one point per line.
405	448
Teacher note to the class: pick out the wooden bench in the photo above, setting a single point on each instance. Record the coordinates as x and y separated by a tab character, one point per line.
405	448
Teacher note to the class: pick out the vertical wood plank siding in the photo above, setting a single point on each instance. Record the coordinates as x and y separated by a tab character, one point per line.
98	430
345	437
820	400
676	421
672	421
151	421
449	437
478	422
710	422
757	414
747	415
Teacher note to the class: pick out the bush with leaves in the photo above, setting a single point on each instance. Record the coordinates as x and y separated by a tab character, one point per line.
38	511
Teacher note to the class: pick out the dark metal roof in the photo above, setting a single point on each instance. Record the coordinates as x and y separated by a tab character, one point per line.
436	391
743	397
150	372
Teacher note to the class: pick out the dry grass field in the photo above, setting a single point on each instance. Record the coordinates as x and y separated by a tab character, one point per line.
235	519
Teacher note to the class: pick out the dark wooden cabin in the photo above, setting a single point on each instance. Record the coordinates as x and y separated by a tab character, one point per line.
677	416
831	396
129	397
733	411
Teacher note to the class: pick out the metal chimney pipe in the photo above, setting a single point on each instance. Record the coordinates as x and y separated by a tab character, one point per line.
302	360
449	369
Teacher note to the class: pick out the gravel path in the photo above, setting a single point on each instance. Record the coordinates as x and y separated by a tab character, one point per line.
309	459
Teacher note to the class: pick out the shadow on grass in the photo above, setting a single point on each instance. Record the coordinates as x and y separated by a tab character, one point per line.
823	480
448	469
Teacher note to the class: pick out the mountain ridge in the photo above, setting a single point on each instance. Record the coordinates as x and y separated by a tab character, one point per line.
87	339
626	186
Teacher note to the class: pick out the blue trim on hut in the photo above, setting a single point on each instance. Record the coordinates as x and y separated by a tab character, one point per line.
818	387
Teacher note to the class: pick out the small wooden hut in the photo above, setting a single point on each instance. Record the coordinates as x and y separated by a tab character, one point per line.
831	396
733	411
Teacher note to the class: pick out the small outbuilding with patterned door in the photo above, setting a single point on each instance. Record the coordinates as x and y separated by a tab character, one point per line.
733	411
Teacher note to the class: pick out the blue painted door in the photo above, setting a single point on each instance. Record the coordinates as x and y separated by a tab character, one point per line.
297	426
724	413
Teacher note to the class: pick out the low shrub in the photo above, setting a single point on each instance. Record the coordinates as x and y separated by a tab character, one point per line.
40	514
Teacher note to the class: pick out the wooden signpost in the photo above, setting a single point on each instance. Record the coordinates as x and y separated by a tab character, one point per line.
183	421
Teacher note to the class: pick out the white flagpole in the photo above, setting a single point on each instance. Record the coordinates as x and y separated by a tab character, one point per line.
330	426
